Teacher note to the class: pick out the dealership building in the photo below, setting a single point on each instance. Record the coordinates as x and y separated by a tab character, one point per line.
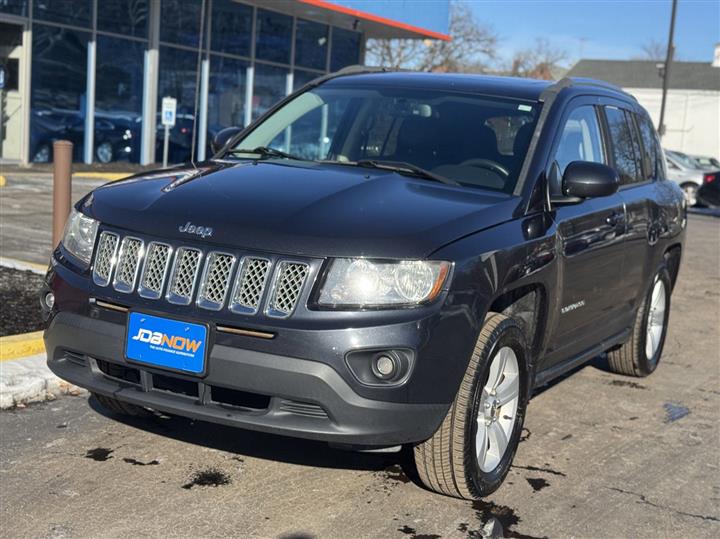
95	71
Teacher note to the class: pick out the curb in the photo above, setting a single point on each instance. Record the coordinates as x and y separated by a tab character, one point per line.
110	176
30	380
22	345
14	263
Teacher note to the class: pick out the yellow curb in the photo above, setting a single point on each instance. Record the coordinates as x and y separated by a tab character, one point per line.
22	264
25	344
110	176
3	181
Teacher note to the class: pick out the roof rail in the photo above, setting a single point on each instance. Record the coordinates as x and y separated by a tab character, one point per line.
569	82
351	70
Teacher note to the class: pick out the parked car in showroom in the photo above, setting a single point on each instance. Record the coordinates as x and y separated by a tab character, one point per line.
685	172
444	245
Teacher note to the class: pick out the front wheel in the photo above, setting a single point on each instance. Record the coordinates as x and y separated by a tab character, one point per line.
470	454
640	355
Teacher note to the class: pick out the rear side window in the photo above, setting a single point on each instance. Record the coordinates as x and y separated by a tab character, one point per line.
580	139
625	147
655	169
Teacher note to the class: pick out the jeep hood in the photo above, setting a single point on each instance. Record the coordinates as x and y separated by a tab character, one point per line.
309	209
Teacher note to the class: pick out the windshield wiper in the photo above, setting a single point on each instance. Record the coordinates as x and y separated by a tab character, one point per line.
402	167
266	151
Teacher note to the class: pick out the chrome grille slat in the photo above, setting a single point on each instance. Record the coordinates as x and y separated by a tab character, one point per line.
289	280
105	258
131	251
152	280
249	285
184	275
215	281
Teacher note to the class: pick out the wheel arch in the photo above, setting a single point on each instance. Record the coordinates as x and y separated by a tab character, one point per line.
673	256
528	305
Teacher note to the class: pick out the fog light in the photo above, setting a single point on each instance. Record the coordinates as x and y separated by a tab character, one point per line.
384	366
50	300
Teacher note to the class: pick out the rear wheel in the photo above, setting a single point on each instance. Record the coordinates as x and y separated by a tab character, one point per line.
471	452
640	355
121	408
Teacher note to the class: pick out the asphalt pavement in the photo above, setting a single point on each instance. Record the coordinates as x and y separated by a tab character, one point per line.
602	456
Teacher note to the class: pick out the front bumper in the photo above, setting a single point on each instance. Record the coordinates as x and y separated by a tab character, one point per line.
244	388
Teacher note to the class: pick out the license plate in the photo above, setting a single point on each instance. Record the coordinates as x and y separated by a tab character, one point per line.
162	342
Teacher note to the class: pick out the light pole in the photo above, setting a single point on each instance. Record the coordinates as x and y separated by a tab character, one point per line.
666	71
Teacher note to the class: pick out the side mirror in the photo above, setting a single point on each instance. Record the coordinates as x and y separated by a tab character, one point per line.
222	137
583	179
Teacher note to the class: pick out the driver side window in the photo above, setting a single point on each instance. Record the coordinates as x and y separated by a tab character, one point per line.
581	139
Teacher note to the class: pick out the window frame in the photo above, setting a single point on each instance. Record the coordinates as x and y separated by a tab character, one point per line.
596	103
639	118
625	108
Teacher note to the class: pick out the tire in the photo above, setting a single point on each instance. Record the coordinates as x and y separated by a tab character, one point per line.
690	190
640	355
121	408
447	462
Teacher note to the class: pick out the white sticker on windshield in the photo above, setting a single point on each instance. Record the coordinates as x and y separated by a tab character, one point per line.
525	108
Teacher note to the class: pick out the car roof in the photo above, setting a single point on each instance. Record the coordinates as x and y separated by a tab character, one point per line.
513	87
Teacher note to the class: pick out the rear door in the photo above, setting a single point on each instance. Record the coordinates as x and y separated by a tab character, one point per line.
591	243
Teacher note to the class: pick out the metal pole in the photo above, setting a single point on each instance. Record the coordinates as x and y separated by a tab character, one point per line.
666	71
166	144
62	172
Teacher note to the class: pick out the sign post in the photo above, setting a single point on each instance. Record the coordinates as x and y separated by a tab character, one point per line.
169	109
3	80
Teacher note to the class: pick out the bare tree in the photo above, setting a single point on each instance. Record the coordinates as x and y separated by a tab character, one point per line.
471	47
653	50
542	61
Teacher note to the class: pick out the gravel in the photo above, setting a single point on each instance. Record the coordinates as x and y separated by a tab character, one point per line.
19	304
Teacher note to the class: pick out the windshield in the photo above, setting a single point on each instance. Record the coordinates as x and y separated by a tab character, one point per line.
473	140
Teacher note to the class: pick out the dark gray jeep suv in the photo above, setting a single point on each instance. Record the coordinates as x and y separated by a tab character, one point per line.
382	259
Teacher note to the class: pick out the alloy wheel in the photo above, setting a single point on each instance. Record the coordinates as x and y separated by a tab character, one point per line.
655	319
498	409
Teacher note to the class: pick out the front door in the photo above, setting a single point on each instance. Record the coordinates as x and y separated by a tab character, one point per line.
11	104
591	237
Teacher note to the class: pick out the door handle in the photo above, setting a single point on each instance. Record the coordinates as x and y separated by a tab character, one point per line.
615	218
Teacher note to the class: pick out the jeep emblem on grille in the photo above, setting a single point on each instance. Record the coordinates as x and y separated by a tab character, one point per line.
202	231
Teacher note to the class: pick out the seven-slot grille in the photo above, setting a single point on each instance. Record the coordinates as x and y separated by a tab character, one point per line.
209	278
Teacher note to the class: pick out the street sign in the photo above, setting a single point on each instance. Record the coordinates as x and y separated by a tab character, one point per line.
169	108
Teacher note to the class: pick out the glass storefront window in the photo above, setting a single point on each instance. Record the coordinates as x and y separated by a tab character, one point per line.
226	95
126	17
14	7
301	78
274	36
58	98
231	27
345	49
118	99
75	12
177	79
270	82
311	44
180	22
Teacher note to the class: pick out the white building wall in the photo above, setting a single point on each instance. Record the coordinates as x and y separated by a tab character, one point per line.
692	118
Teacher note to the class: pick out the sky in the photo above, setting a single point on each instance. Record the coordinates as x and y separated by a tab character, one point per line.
602	29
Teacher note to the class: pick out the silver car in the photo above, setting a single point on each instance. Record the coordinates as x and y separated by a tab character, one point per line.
684	171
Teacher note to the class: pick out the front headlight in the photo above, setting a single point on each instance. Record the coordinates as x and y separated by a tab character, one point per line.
367	283
79	236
